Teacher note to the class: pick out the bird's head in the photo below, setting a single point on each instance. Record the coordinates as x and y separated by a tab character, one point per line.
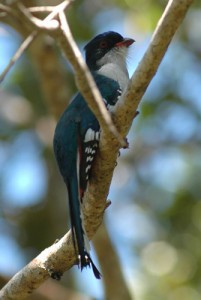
108	47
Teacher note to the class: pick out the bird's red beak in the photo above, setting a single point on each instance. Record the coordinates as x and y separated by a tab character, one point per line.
125	43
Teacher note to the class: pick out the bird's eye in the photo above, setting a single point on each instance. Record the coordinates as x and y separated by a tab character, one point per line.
103	44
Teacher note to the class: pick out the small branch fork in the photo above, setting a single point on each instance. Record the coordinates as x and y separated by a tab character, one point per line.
56	24
45	24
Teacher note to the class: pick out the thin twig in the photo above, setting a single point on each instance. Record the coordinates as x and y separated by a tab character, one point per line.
18	53
46	23
5	8
39	9
34	33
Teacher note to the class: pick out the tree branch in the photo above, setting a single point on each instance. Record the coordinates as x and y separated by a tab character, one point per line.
168	24
87	87
60	256
48	23
18	53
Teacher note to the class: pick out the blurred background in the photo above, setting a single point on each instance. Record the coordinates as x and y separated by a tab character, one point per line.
154	221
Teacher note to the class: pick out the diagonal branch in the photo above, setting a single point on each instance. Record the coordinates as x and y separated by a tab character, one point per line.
168	24
18	53
40	24
60	256
49	23
84	79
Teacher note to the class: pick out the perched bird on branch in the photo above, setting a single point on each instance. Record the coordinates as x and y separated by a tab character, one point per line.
77	133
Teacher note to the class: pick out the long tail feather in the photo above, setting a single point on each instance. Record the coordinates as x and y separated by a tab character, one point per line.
77	228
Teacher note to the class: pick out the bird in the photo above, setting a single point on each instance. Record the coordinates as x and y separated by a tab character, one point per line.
77	133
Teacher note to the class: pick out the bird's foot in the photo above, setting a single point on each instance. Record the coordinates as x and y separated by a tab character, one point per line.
55	274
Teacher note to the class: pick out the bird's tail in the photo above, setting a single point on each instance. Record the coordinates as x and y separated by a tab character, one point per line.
77	225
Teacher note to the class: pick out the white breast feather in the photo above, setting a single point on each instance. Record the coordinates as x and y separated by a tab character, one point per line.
113	65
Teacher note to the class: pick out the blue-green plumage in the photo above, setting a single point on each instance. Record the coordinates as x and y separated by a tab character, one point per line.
76	120
77	132
69	144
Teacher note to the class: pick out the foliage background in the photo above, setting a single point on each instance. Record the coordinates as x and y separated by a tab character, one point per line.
155	218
